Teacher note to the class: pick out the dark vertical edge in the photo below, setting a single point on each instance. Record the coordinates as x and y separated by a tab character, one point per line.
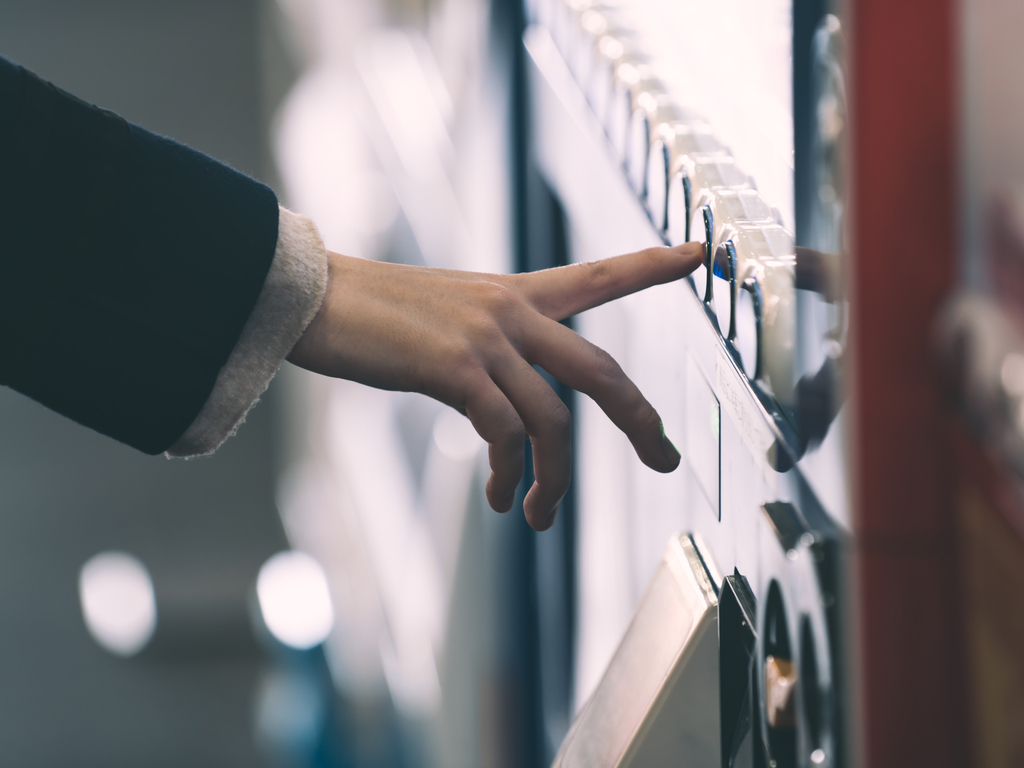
806	15
520	624
555	549
540	233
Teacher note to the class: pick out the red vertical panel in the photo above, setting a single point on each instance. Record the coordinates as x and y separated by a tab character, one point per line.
904	118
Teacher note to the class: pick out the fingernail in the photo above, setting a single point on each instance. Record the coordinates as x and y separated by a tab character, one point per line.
669	448
509	501
551	518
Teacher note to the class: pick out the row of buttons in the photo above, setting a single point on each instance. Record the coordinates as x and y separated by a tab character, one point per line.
690	186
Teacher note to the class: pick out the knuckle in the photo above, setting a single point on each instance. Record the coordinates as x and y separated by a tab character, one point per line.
560	422
650	260
463	357
597	272
493	319
653	255
484	333
647	419
516	283
498	299
461	370
606	368
512	432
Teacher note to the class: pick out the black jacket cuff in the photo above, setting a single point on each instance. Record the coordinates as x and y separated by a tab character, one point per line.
129	264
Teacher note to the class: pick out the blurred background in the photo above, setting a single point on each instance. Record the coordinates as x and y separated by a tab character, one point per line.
148	622
330	588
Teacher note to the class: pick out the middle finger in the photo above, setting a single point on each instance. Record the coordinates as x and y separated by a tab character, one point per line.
549	425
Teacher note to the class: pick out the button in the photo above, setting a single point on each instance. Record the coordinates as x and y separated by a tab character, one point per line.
702	230
564	22
637	147
592	25
626	93
725	288
747	339
677	209
735	207
680	141
709	173
698	234
765	255
617	61
650	109
691	137
656	185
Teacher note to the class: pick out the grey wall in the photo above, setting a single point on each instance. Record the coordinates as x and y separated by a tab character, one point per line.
193	70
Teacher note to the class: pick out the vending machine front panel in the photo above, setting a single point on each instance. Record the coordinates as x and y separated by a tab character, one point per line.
718	355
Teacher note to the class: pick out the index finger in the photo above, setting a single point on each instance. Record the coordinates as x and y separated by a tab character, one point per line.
563	291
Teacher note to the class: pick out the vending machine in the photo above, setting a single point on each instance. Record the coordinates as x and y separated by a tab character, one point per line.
830	578
793	595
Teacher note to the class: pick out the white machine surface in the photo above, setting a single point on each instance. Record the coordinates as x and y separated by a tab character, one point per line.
615	95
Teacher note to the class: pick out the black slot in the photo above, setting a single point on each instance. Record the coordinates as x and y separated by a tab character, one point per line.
812	699
737	643
787	525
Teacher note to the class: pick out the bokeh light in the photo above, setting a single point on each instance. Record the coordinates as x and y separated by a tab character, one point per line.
118	602
294	599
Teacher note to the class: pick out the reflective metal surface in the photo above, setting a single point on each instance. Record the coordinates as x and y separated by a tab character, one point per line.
657	702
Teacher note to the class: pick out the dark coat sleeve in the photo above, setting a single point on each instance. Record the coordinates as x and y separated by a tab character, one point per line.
128	264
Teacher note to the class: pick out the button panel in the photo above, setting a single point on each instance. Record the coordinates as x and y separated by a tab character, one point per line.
691	187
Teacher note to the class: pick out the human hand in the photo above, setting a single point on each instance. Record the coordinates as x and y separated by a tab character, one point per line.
471	340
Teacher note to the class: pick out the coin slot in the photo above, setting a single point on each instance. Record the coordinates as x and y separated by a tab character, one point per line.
812	699
778	679
737	610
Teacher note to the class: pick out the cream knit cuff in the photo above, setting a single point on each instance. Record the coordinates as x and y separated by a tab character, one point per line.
290	298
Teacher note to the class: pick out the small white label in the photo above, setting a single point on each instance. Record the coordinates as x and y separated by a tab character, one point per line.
745	414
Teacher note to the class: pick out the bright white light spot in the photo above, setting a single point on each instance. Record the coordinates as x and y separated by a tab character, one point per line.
455	436
294	599
118	602
818	756
613	49
594	22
